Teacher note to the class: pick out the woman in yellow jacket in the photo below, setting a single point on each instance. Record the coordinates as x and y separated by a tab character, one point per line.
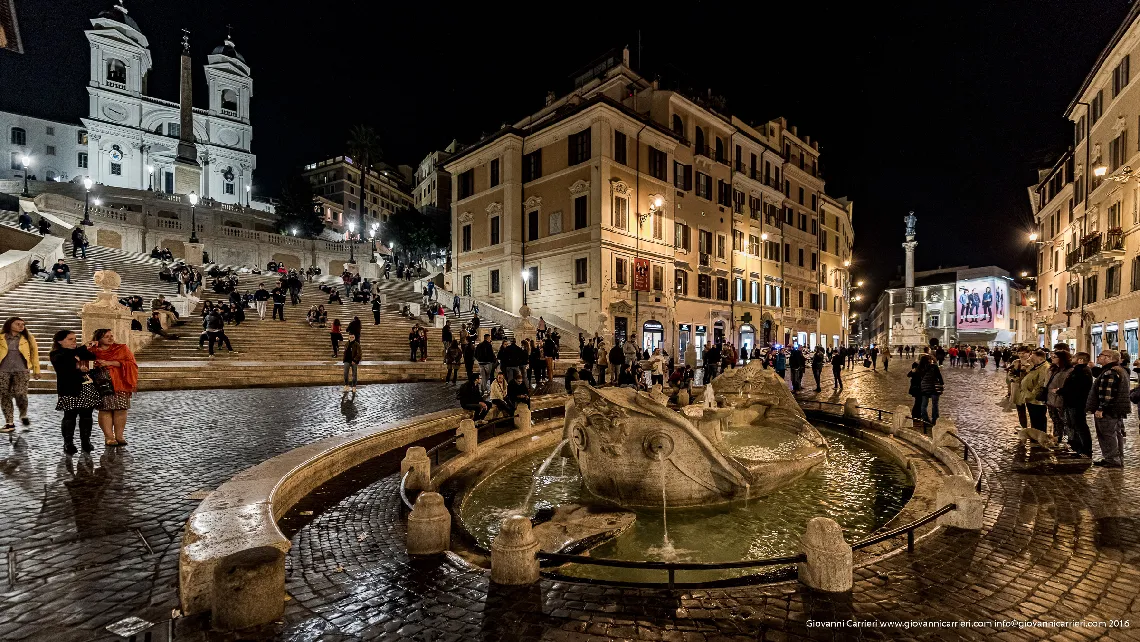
18	355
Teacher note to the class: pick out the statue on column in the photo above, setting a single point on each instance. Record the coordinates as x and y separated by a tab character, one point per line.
910	220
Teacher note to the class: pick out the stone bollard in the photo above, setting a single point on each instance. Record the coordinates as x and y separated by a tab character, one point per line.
522	417
942	431
512	553
851	407
901	418
416	460
960	491
468	437
249	588
429	526
683	398
829	559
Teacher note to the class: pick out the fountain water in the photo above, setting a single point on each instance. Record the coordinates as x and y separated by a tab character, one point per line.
525	508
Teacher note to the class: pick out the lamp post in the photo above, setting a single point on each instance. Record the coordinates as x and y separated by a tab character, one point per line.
763	286
248	190
86	201
526	282
372	237
351	243
193	217
26	161
150	172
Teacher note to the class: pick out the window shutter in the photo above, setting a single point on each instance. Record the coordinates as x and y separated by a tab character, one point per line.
688	177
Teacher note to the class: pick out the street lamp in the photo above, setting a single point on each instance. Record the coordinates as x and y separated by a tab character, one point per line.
372	237
294	231
26	161
1100	171
1033	237
193	218
351	243
526	282
248	189
86	200
150	171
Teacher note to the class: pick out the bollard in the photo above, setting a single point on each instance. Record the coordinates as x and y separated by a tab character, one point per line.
513	552
901	419
249	588
522	417
429	525
416	460
467	437
941	432
851	407
960	491
829	558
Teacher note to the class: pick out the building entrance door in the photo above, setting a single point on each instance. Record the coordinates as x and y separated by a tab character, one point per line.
747	340
652	334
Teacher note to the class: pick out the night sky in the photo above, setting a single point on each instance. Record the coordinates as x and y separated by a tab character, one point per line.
915	107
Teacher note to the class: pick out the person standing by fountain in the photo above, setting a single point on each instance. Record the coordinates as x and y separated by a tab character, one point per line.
797	362
837	370
485	355
817	366
617	360
603	362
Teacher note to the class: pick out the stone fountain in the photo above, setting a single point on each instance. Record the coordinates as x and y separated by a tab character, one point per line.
634	451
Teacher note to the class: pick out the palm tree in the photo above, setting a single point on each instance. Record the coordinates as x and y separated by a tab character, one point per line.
364	145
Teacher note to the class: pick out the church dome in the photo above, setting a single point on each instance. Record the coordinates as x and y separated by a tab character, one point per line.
227	48
118	13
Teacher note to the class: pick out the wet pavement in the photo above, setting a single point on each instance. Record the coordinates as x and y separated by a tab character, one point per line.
97	541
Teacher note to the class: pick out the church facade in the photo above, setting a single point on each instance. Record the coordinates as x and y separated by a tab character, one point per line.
129	139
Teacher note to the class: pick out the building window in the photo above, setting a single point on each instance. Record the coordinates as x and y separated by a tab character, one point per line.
619	271
494	281
721	288
737	241
658	232
933	320
581	274
787	253
1096	108
801	293
1090	289
721	243
1120	77
116	169
581	214
229	100
704	186
620	212
657	160
681	282
494	230
704	286
1136	273
532	225
228	187
15	162
174	129
81	160
619	147
116	71
814	258
835	303
1118	150
19	136
494	172
532	278
532	166
579	151
801	263
719	147
49	130
754	291
658	278
739	289
681	236
678	126
1112	281
466	238
466	285
81	137
466	183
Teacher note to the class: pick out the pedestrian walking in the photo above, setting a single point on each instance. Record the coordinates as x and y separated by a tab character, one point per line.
453	357
915	390
78	242
874	357
817	360
352	358
336	337
19	361
1059	368
886	359
376	309
837	370
76	394
278	303
354	327
260	297
603	362
118	364
1108	401
932	386
797	363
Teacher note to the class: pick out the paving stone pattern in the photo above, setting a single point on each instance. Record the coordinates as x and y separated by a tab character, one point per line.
96	539
1054	548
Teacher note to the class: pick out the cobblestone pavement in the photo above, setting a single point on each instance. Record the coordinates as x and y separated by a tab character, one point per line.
1054	548
96	539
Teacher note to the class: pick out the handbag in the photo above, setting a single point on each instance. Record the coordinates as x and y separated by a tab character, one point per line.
101	377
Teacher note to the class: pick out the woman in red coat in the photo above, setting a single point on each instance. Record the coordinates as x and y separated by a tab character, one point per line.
120	364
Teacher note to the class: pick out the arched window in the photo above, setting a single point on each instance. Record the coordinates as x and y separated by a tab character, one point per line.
699	140
19	136
116	71
678	125
719	149
229	100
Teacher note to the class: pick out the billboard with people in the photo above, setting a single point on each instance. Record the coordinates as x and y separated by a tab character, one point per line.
982	304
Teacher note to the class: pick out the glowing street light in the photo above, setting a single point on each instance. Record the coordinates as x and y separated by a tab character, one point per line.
86	199
658	202
248	189
351	243
26	161
193	217
150	171
1033	237
526	283
372	237
847	264
1100	171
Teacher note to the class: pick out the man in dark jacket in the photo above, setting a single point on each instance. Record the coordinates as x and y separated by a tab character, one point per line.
518	392
278	303
469	358
471	398
446	335
1108	401
617	360
259	299
60	271
78	242
817	360
485	355
1075	394
512	360
376	313
796	362
26	222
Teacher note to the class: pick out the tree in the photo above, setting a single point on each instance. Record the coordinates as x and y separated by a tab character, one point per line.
297	211
364	146
419	234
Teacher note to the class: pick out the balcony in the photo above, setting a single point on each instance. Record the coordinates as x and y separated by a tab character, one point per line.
701	150
1100	249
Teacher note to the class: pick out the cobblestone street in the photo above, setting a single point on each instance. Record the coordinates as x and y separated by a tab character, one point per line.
97	541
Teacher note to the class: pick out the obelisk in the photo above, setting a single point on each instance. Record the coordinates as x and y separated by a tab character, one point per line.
187	171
